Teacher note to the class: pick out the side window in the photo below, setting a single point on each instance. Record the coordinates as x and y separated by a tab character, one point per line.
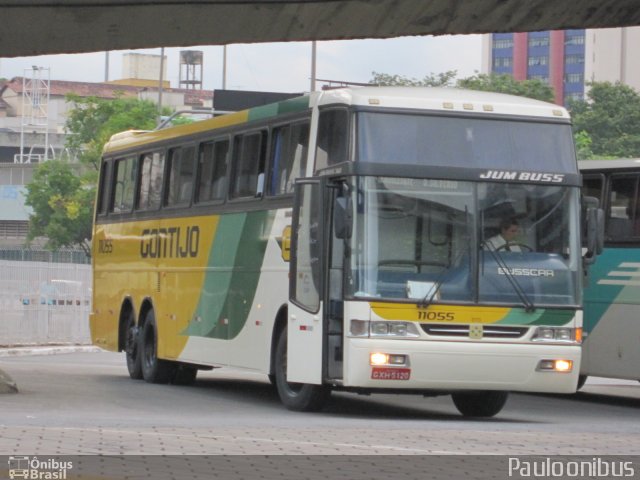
103	189
592	186
333	135
152	168
622	214
212	173
125	183
248	161
180	181
289	156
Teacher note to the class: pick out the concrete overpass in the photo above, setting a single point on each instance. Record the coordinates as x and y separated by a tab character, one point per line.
33	27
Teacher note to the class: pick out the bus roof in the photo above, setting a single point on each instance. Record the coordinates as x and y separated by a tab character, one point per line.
618	164
444	99
421	98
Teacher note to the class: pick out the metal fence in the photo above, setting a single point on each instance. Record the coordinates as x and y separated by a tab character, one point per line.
42	255
44	303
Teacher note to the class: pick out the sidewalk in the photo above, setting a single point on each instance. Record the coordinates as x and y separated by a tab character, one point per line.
8	385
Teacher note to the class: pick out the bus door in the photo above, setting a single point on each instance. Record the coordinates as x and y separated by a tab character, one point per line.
306	283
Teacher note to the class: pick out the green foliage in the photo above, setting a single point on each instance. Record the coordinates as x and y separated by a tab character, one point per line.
440	80
610	118
62	194
536	89
93	120
62	202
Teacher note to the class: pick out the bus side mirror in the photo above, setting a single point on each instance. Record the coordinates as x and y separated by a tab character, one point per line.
594	229
342	218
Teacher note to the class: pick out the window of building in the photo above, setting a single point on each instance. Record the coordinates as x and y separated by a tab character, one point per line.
333	137
574	59
538	60
289	156
538	41
502	43
181	176
502	62
125	183
151	173
574	40
248	161
212	170
573	78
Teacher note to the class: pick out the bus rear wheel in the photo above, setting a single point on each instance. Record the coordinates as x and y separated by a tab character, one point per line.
301	397
131	347
480	404
154	370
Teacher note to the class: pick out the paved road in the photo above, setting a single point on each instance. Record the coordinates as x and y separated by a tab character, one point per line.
85	403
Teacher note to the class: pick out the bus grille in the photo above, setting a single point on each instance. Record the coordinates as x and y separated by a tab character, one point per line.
488	331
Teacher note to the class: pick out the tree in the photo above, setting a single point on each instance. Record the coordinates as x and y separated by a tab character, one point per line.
62	194
534	88
610	118
440	80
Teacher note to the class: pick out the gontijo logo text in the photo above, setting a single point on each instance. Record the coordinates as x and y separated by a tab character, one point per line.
34	468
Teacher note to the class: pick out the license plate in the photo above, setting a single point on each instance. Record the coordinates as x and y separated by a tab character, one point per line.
382	373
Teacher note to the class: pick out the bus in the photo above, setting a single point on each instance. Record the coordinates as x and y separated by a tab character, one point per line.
339	242
612	291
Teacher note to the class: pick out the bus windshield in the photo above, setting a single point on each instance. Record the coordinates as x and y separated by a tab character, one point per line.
438	241
468	142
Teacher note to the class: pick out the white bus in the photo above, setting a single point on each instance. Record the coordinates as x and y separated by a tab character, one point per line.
341	241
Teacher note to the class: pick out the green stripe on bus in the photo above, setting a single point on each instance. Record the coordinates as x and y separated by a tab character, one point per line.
230	284
293	105
540	316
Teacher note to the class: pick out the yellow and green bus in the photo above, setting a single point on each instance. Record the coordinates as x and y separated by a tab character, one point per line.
343	241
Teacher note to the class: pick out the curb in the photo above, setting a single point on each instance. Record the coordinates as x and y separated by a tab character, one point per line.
47	350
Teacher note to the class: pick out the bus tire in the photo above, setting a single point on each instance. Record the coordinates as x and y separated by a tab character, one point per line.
301	397
154	370
131	347
480	404
184	375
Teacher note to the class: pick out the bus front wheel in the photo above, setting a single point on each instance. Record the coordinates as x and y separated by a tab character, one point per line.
154	370
480	404
302	397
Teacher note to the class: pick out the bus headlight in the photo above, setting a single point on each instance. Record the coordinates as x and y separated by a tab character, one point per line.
557	334
560	365
383	329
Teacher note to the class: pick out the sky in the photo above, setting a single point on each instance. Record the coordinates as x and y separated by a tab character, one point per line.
281	67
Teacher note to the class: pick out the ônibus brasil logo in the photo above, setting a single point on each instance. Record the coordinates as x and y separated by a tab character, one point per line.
33	468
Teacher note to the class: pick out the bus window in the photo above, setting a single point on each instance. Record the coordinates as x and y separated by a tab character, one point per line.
212	170
622	222
332	143
289	156
248	161
125	181
180	179
592	186
102	189
151	181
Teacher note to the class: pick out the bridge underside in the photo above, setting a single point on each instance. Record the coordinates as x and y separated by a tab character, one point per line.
34	27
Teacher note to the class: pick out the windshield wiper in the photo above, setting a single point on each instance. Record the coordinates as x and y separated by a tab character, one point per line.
431	294
528	304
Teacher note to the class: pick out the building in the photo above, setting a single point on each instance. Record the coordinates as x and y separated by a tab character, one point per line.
566	59
15	172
